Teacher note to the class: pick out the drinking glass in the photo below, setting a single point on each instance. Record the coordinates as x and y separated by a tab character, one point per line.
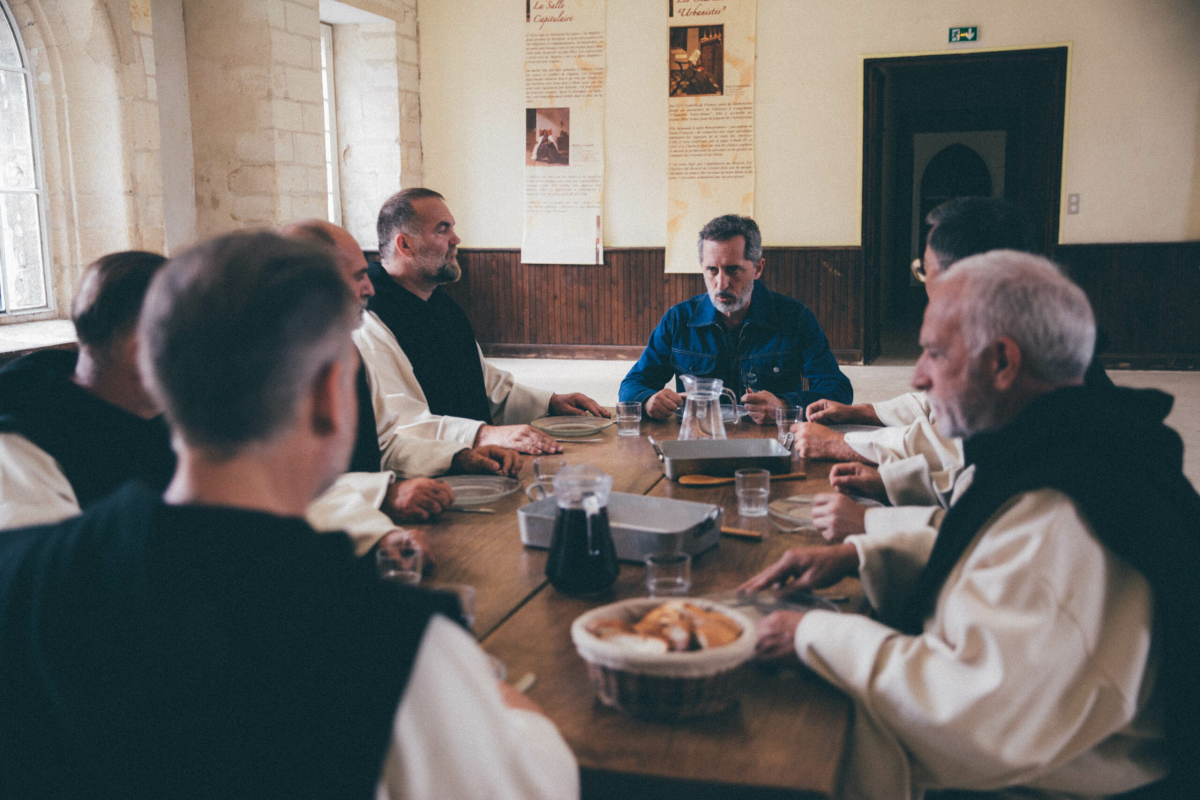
785	418
400	562
753	488
629	418
749	380
668	574
544	470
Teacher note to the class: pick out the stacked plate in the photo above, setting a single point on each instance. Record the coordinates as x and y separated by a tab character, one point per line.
475	490
572	427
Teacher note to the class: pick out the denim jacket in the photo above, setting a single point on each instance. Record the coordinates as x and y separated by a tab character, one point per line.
780	341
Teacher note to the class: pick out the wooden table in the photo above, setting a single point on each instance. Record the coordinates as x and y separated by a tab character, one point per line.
786	736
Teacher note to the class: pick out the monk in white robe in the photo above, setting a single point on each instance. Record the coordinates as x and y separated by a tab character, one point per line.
1029	641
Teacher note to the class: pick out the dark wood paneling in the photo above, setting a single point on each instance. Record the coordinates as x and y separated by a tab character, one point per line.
1146	298
590	311
13	355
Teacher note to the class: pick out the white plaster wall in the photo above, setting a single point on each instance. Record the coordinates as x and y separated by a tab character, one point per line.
1133	129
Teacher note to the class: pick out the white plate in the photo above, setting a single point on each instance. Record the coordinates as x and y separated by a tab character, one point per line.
475	490
572	426
797	509
844	428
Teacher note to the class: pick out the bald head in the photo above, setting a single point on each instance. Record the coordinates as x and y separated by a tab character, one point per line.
347	254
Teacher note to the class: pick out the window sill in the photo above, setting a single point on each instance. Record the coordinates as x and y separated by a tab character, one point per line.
20	338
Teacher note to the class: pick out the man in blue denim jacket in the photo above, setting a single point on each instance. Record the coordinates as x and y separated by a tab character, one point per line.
760	343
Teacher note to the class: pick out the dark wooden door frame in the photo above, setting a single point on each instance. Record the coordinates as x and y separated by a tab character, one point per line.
874	83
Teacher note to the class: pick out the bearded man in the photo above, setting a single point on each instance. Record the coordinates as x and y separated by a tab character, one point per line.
425	368
761	344
1037	639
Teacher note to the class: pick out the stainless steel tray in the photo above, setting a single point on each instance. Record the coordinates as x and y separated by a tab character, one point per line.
721	457
640	525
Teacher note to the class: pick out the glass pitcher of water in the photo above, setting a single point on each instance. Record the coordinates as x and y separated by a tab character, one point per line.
583	559
702	411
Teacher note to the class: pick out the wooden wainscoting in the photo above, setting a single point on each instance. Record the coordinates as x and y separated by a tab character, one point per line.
1146	298
568	311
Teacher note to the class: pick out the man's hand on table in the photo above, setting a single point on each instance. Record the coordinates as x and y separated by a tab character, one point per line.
830	412
859	479
407	537
761	406
777	635
575	405
417	499
662	404
814	440
522	438
837	516
487	460
811	567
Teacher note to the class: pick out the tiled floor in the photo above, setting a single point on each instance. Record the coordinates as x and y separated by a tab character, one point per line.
600	380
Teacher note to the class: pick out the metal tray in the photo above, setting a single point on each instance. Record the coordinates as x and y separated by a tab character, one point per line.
721	457
640	525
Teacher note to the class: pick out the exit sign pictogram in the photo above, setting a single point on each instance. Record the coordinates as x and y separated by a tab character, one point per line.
970	34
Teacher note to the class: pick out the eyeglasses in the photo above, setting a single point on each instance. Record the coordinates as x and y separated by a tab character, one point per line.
918	269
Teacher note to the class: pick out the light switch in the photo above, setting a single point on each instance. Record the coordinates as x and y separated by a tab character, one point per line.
1072	204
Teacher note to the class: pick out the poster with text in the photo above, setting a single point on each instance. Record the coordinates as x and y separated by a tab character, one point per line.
710	122
564	131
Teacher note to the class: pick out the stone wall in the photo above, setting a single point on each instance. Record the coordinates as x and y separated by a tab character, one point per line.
379	116
254	86
93	69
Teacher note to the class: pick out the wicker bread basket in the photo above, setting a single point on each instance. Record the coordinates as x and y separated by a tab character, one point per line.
665	686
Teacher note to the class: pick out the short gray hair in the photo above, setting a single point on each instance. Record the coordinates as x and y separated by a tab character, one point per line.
398	215
1028	299
722	229
235	330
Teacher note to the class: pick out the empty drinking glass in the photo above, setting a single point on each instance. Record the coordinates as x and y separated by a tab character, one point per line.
785	418
668	574
400	562
544	470
629	418
749	379
753	488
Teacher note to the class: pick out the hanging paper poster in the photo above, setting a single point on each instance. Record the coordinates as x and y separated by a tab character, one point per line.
710	123
564	131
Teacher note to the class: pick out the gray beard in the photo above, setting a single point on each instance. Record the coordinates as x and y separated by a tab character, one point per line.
966	419
448	272
734	307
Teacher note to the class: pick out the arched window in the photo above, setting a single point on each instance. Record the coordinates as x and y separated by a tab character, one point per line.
23	253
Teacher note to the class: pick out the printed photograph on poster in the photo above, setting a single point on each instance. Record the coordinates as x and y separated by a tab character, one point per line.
697	60
547	137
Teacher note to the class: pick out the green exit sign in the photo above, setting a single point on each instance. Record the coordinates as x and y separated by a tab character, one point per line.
970	34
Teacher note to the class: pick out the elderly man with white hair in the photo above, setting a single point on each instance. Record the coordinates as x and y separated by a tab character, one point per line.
1043	642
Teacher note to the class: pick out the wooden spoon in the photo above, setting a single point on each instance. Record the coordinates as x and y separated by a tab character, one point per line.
709	480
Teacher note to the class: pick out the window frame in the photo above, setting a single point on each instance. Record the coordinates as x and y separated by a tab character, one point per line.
333	178
47	311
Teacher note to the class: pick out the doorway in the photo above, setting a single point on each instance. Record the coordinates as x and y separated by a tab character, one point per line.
936	127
